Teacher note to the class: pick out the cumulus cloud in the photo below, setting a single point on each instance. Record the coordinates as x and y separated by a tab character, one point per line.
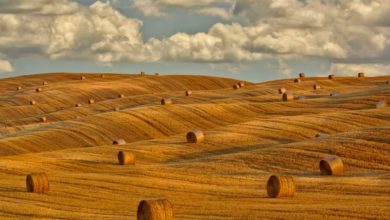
370	69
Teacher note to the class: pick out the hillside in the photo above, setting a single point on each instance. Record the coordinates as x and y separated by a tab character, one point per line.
250	134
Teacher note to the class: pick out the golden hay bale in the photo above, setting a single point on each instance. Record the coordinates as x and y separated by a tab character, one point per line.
82	77
166	101
43	119
316	87
19	88
77	117
37	183
119	142
321	135
157	74
241	84
91	101
360	75
188	92
282	90
32	102
331	76
195	136
331	165
116	109
102	75
287	96
236	86
157	209
121	96
125	158
301	75
280	186
44	83
142	73
381	104
388	82
78	105
38	90
297	80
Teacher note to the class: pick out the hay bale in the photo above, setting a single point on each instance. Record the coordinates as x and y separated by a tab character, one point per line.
321	135
188	92
195	136
38	90
334	94
388	82
119	142
287	96
91	101
82	77
102	75
316	87
142	73
236	86
166	101
78	105
44	83
19	88
282	90
157	74
301	75
125	158
121	96
242	84
156	209
77	117
37	183
280	186
43	119
331	76
381	104
116	109
32	102
331	165
297	80
360	75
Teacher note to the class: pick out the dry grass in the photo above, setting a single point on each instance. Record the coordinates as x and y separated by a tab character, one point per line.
251	135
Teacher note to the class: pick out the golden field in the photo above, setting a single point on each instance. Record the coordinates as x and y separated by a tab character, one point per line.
250	134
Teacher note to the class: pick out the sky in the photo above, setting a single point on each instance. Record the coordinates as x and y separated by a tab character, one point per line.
254	40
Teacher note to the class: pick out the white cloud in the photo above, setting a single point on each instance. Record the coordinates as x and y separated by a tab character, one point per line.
5	65
215	11
352	69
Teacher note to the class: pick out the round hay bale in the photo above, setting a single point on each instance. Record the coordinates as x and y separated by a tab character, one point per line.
334	94
388	82
282	90
157	74
157	209
116	109
91	101
44	83
142	73
236	86
280	186
242	84
38	90
188	92
77	117
166	101
121	96
381	104
119	142
32	102
321	135
360	75
331	76
82	77
78	105
125	158
102	75
195	136
43	119
301	75
331	165
19	88
287	96
297	80
316	87
37	183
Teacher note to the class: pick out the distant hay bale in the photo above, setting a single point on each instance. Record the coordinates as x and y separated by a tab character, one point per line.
157	74
119	142
381	104
334	94
44	83
19	88
321	135
188	92
360	75
32	102
242	84
121	96
38	90
78	105
116	109
82	77
282	90
280	186
43	119
37	183
331	76
77	117
331	165
166	101
157	209
388	82
236	86
142	73
287	96
102	75
301	75
297	80
126	158
91	101
316	87
195	136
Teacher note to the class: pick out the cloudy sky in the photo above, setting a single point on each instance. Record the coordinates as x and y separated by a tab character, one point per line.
255	40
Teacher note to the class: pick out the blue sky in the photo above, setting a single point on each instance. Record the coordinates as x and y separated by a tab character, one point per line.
250	40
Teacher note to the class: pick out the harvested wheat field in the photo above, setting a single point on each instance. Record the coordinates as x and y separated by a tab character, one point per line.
244	135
